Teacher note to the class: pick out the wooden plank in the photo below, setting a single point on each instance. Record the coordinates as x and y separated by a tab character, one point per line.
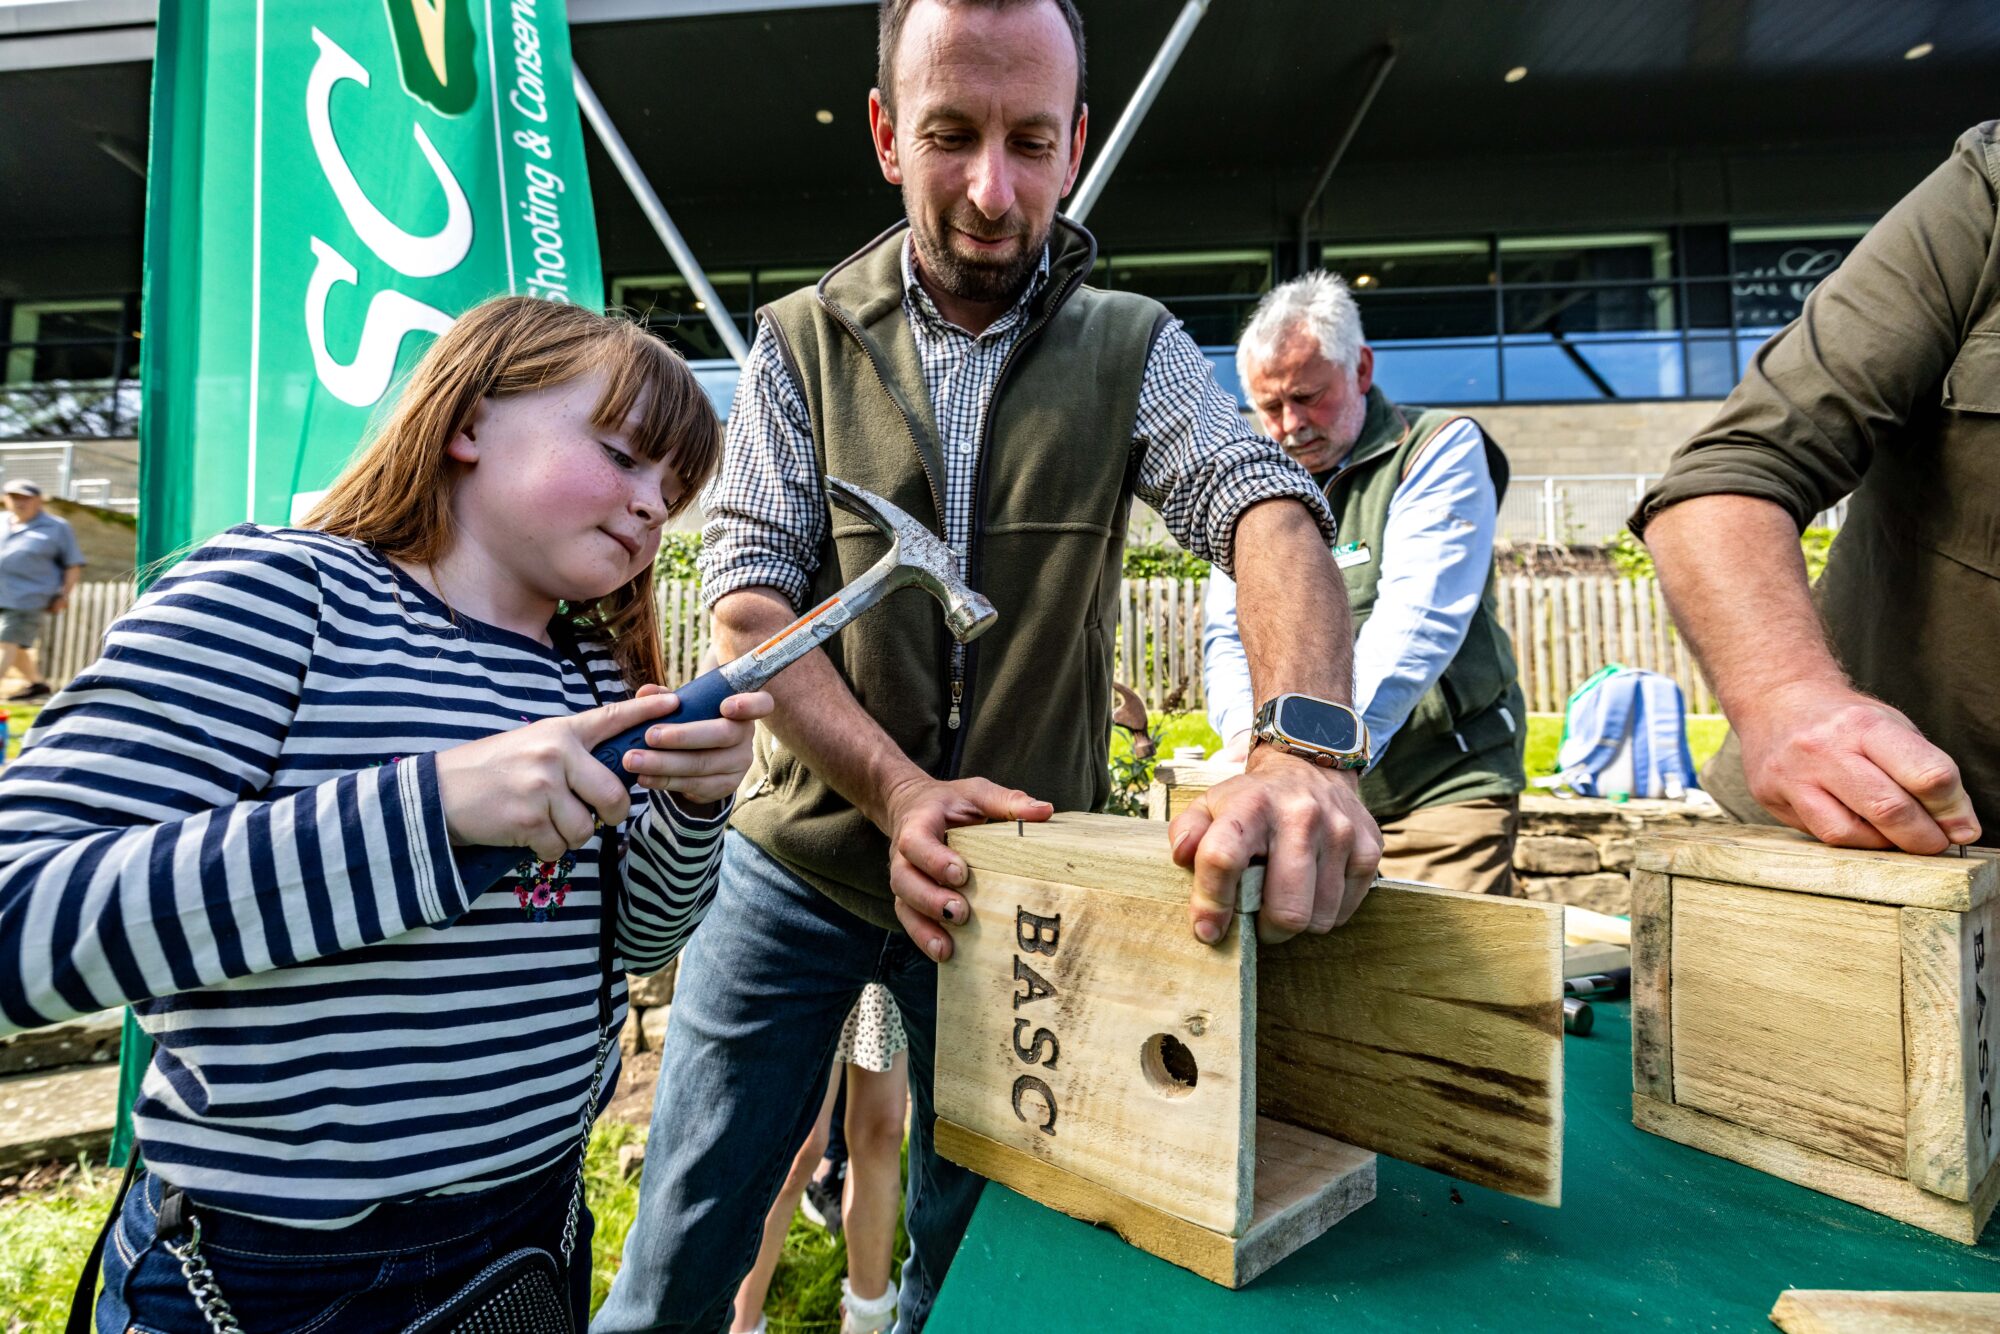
1593	633
1644	656
1306	1184
1950	974
1627	621
1194	776
1808	1311
1515	606
1113	853
1893	1196
1786	859
1572	639
1127	629
1786	1014
1087	1027
1587	924
1428	1028
1652	971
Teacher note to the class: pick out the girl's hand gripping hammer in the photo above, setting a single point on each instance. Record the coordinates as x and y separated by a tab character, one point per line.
916	556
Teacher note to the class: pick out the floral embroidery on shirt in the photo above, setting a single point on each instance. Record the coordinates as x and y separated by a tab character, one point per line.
540	887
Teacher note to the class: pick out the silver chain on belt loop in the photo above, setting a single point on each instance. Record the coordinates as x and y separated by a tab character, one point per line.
201	1284
583	1150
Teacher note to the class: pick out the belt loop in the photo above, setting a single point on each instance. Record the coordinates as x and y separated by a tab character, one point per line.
172	1218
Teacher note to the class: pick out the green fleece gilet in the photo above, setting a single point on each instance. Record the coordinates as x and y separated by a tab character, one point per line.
1465	738
1056	473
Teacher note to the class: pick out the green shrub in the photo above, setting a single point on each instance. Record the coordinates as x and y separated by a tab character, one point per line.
1632	561
1161	560
678	554
1143	560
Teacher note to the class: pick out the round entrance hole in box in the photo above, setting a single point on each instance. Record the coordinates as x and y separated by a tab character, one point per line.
1169	1065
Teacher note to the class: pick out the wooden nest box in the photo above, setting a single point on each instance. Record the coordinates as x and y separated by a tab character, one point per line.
1822	1014
1221	1106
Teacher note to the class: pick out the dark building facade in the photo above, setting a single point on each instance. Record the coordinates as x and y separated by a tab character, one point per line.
1584	204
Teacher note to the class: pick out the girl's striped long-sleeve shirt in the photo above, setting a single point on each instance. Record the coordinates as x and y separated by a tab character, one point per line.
232	822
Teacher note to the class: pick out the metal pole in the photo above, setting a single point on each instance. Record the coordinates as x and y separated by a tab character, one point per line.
1385	60
1136	109
656	213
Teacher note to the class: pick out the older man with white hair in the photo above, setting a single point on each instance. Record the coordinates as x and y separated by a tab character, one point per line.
1416	493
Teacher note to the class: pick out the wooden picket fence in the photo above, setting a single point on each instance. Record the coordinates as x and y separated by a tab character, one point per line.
1564	628
75	636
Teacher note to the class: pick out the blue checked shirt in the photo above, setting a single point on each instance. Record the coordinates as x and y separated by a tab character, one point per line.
1202	465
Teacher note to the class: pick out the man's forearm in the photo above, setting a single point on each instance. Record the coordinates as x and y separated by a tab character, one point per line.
71	578
817	718
1735	581
1291	605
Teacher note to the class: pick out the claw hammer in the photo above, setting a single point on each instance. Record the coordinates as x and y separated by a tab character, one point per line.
916	557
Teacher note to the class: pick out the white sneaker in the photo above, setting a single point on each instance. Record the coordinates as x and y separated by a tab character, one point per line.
862	1315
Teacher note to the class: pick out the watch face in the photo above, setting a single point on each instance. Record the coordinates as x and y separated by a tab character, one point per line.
1312	723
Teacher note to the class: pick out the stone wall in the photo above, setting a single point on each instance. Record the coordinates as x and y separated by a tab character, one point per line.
1579	850
1572	439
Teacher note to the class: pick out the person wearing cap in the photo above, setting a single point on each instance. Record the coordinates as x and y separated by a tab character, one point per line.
40	563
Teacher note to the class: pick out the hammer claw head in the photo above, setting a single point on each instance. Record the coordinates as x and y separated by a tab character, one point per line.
920	558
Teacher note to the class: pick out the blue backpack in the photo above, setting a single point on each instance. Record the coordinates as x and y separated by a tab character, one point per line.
1625	735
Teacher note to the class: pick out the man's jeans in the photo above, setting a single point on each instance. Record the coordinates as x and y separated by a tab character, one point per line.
764	988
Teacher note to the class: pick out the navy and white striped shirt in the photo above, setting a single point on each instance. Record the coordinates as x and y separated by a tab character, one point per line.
232	822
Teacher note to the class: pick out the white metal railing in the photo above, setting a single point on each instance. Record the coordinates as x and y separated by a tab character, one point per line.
94	472
1586	509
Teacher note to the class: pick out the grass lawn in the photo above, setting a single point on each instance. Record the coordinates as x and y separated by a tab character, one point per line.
19	718
45	1232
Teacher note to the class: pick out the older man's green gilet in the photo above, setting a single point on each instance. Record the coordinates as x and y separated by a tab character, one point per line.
1465	737
1056	473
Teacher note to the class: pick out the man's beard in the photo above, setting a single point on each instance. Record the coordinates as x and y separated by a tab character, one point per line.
966	277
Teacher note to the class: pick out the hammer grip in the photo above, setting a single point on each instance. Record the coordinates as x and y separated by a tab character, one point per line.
479	869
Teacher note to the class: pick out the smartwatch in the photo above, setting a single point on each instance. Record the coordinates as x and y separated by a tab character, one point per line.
1328	734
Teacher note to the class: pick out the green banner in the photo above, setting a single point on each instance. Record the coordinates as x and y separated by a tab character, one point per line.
331	181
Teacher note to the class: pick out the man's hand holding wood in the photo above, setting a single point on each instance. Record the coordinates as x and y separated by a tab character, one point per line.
1320	845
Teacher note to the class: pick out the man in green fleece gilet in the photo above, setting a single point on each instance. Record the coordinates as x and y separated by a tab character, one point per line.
959	366
1416	494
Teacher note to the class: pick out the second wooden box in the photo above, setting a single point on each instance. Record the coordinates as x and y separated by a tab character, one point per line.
1822	1014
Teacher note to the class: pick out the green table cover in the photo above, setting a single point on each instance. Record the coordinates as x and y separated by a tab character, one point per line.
1650	1234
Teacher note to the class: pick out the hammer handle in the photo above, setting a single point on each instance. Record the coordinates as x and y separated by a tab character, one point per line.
701	699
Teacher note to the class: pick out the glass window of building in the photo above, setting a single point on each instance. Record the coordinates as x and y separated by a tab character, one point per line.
1427	311
1419	289
670	309
71	340
1604	283
1590	317
774	283
1775	267
1211	291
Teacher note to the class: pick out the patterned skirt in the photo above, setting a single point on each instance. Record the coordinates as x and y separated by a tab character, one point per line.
873	1033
